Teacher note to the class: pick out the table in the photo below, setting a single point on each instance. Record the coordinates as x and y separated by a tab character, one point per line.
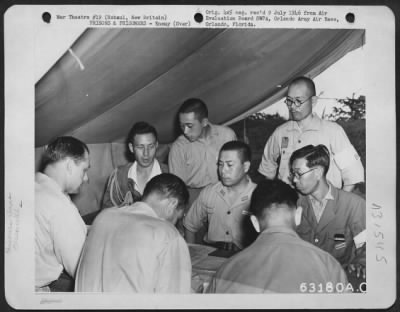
204	266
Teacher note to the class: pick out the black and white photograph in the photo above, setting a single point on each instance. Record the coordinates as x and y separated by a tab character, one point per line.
176	155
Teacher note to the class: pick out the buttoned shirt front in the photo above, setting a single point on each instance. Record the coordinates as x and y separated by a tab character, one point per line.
196	162
345	164
131	250
278	261
225	221
59	232
341	229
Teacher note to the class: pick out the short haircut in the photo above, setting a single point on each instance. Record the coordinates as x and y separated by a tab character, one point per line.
141	127
305	80
61	148
270	192
314	156
242	148
196	106
168	185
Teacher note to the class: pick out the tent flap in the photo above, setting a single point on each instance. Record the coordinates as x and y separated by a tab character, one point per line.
112	78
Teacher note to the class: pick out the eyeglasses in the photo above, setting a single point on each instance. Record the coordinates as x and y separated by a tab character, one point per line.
296	102
298	175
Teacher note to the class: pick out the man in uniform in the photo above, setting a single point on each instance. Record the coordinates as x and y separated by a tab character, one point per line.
126	183
305	128
333	219
59	229
137	249
223	205
193	155
279	260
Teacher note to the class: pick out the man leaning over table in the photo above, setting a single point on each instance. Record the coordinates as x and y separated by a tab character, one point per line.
305	128
333	220
223	206
136	248
278	261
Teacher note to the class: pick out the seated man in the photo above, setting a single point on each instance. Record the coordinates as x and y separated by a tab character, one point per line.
126	183
278	261
59	229
137	248
223	205
333	219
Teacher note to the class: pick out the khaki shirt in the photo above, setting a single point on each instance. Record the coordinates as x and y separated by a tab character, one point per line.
59	232
196	162
131	250
345	163
279	262
225	221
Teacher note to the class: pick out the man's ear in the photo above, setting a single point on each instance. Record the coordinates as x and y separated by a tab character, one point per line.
68	164
130	146
314	100
246	165
204	122
171	205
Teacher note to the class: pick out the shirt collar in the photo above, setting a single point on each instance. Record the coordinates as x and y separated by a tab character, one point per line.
245	196
132	173
279	229
314	124
140	208
328	195
48	182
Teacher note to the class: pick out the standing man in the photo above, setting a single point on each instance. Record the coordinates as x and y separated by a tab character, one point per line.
137	249
333	220
59	229
223	205
307	128
193	155
126	183
278	261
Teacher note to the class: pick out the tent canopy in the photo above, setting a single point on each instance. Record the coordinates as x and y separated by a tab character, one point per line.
111	78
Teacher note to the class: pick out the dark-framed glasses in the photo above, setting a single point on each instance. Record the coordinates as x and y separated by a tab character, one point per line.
298	175
296	102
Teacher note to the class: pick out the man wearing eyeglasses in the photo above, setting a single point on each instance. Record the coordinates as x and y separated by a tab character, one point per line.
305	128
332	219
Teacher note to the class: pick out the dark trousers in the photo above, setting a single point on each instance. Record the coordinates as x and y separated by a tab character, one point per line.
64	283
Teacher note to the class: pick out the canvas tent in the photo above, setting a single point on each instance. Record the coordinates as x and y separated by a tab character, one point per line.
110	78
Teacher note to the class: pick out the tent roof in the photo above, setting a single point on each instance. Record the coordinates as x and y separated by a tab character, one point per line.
112	78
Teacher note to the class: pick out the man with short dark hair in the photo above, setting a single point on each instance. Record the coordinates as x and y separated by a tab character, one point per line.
223	205
278	261
136	248
193	155
333	220
126	183
305	128
59	229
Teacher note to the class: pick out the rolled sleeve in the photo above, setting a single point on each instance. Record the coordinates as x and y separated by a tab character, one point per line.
176	162
197	214
69	234
347	158
269	162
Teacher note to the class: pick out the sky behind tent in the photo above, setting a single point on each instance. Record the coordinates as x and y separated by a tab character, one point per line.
340	80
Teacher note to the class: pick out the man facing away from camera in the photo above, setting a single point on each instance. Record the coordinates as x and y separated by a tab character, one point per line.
306	128
126	183
333	220
136	248
278	260
223	206
59	229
